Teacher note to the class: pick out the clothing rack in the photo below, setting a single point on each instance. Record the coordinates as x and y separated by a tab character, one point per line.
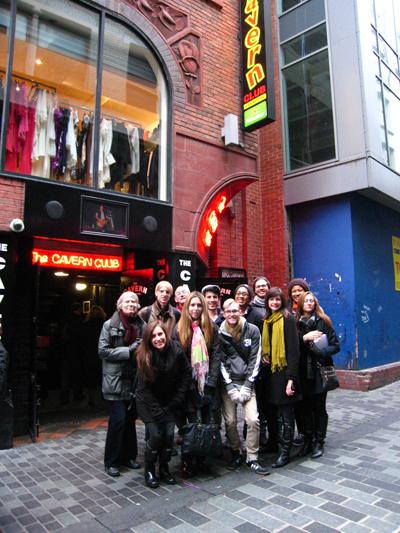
122	119
77	106
31	81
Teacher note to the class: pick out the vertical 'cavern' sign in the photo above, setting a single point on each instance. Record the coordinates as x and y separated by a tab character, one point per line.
258	89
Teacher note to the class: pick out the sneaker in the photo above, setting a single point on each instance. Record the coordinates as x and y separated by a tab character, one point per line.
257	467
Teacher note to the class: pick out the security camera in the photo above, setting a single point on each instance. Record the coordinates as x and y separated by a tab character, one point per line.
17	225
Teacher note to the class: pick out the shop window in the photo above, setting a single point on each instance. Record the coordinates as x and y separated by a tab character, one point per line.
309	116
56	86
132	104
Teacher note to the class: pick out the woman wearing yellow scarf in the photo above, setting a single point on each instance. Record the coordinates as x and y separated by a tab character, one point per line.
280	355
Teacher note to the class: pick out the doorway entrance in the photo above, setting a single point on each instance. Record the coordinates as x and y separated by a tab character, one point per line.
72	306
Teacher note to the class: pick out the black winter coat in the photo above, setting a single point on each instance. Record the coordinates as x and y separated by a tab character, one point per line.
214	353
311	355
153	399
274	384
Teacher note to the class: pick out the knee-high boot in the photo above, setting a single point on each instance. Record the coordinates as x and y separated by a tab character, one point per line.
164	472
308	432
321	425
150	457
287	440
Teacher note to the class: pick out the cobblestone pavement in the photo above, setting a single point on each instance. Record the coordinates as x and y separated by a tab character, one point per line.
60	484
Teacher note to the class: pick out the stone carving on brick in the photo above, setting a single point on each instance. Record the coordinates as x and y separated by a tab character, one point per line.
187	52
173	25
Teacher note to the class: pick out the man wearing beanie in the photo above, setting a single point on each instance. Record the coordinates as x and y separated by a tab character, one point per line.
243	295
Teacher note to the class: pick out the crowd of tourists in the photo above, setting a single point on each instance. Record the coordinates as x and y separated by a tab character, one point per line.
189	367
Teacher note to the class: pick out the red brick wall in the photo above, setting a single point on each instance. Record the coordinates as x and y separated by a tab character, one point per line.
369	379
275	250
11	201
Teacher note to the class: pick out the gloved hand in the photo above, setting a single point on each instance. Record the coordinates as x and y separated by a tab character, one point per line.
245	393
134	346
235	395
207	395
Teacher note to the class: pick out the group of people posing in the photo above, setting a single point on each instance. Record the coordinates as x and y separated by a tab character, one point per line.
166	365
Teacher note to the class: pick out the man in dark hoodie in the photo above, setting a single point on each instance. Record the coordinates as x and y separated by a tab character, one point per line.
240	344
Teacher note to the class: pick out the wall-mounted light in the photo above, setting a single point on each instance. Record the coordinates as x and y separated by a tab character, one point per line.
80	286
61	274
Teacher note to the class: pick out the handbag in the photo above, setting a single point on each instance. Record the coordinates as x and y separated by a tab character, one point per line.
202	440
329	377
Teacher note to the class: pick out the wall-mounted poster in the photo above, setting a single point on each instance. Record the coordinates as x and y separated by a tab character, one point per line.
104	217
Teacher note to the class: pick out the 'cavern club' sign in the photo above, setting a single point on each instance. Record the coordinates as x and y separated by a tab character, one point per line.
63	259
258	91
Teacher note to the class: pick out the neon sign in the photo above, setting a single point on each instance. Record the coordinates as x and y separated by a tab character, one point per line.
59	258
257	74
212	221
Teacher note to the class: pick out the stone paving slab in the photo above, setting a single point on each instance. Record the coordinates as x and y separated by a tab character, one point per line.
60	485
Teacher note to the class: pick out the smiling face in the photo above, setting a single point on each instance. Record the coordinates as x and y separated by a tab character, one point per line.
211	300
261	288
275	303
297	291
195	308
180	295
129	306
242	297
232	314
158	339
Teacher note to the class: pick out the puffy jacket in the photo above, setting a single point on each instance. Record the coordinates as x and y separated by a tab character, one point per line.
119	368
240	360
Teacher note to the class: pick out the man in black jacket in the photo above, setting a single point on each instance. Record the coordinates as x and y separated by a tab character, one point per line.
240	364
119	339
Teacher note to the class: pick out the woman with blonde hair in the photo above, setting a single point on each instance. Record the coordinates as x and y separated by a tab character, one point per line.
199	338
313	324
163	377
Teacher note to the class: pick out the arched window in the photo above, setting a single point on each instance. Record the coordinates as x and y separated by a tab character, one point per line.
86	102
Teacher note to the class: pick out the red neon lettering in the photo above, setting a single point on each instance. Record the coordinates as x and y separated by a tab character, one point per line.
255	75
207	238
221	205
213	221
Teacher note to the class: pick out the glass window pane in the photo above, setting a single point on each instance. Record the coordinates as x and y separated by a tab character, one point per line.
385	20
390	79
304	45
4	32
382	120
388	55
392	114
372	11
306	16
132	155
374	41
54	85
309	119
288	4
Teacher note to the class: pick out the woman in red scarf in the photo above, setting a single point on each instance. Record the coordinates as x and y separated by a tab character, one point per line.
199	338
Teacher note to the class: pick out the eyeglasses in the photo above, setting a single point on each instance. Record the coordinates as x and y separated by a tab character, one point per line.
242	293
236	312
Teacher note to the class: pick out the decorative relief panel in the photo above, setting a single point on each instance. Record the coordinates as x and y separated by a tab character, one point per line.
174	26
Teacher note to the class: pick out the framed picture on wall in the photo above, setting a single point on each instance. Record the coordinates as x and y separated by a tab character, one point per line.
100	217
86	307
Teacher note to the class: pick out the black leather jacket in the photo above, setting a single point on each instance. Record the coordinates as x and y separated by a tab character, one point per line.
119	369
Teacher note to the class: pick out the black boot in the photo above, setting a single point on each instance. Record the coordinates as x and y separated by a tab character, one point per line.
150	458
164	472
187	466
236	460
321	425
308	430
287	439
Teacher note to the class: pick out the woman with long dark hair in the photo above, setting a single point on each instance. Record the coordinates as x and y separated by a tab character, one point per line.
280	358
199	338
163	377
313	324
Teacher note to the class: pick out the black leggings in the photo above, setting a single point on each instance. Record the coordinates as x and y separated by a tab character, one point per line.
315	404
160	436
